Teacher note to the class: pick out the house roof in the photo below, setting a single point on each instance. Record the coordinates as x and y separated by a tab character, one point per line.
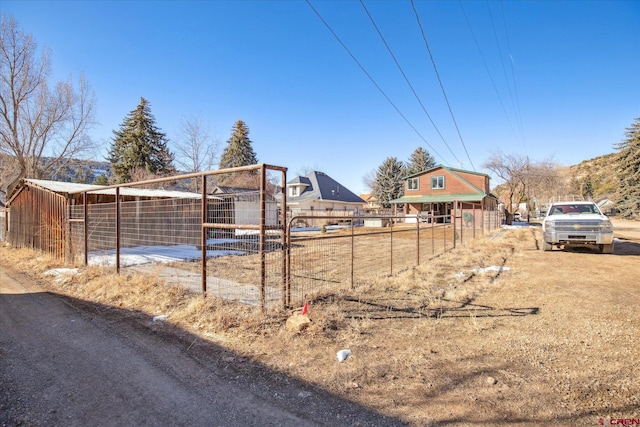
368	197
475	194
450	169
320	186
233	190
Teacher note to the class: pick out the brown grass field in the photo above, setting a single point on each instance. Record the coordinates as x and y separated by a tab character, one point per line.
495	332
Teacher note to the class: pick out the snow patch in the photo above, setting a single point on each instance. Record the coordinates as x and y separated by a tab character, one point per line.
490	269
157	254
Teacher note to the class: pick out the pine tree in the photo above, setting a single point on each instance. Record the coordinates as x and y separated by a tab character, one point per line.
140	146
587	191
389	184
238	151
420	160
628	194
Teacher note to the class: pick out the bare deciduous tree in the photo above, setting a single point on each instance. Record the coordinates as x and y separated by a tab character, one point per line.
512	169
42	127
196	149
369	180
546	180
525	180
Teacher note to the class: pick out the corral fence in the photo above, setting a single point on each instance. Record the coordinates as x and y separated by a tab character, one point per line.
226	241
363	248
224	233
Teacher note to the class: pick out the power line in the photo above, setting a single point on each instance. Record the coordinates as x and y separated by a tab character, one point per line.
500	55
493	83
372	79
444	93
513	77
406	79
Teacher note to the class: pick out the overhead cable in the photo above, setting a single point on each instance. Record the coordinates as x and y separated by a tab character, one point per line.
406	79
493	83
372	79
444	93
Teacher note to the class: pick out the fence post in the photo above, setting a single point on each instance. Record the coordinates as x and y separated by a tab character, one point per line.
391	243
286	291
118	230
263	210
352	253
85	214
444	233
417	240
203	235
288	262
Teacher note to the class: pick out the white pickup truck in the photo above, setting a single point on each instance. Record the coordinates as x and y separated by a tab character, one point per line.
577	224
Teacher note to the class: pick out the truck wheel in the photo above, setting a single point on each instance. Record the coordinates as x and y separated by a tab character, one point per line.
546	246
606	249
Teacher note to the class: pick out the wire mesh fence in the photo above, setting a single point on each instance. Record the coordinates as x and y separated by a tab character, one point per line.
233	239
331	258
226	241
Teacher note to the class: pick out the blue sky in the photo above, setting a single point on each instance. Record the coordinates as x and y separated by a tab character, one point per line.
551	80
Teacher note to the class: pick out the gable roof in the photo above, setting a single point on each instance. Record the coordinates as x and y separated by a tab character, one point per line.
473	195
320	186
450	169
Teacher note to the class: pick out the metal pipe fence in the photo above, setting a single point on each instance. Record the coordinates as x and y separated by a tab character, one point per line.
347	255
237	243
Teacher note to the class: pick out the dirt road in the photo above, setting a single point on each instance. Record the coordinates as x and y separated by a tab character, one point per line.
62	365
549	338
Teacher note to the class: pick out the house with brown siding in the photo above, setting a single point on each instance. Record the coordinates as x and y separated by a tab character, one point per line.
442	193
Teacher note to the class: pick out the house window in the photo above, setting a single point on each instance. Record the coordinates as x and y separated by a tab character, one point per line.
437	182
293	191
413	184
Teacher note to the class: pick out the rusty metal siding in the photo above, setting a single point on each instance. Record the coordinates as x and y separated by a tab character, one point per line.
38	220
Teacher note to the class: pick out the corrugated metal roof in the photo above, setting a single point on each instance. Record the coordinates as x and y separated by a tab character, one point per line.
60	187
71	187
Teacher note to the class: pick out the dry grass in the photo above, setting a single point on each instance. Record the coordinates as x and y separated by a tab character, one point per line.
445	343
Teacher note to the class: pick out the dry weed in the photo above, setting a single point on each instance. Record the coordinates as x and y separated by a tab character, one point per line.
425	343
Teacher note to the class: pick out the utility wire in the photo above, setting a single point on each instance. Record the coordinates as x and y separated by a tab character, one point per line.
444	93
372	79
499	47
406	79
493	83
513	77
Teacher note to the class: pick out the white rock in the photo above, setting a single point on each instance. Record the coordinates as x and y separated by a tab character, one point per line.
342	355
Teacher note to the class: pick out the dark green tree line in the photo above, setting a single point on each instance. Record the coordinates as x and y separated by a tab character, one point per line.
628	194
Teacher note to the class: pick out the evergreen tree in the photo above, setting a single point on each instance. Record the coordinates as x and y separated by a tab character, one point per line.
588	188
420	160
238	151
628	194
101	180
389	183
139	145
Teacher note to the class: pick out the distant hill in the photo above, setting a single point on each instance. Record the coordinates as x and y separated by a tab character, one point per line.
83	171
600	174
